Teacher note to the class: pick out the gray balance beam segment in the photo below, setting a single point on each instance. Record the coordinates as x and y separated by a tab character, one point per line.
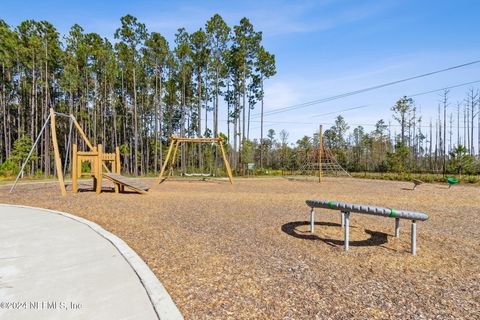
360	208
347	208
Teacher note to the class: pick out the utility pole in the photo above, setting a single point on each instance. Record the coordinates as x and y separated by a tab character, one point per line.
445	103
320	149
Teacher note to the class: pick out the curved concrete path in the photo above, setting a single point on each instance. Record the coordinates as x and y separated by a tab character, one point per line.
55	265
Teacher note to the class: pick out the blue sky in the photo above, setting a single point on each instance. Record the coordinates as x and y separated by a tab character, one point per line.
323	48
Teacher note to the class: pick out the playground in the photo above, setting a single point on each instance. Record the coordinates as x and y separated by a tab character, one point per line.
244	250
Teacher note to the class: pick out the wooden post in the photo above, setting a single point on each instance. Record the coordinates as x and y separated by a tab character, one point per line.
173	159
82	133
166	161
74	169
99	168
320	146
79	168
117	161
84	137
225	161
94	169
116	168
56	151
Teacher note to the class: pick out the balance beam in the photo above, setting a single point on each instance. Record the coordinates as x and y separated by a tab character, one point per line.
347	208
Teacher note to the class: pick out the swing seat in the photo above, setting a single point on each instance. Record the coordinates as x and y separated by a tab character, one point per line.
416	183
197	174
451	182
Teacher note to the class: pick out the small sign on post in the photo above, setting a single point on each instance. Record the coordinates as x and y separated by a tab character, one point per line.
250	167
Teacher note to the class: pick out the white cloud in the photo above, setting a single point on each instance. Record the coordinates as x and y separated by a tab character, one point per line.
279	94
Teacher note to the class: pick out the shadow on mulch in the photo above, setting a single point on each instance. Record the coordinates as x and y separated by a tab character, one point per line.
376	238
219	181
90	190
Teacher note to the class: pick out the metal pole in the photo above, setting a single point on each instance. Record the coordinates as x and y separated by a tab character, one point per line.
30	154
397	227
312	220
342	216
414	238
347	230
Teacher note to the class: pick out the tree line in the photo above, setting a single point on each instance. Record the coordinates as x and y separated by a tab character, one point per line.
138	90
134	92
407	144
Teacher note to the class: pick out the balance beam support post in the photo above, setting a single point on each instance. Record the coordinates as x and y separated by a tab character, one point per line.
312	220
347	230
414	238
397	227
342	218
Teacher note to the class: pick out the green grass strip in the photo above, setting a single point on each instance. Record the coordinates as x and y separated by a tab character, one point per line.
393	213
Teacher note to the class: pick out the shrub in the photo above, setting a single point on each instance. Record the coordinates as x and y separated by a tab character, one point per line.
8	169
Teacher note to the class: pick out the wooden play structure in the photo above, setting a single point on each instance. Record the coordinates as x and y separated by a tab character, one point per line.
102	165
100	161
175	143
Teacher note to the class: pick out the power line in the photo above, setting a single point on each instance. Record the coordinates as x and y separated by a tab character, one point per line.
339	111
366	106
441	89
351	93
332	123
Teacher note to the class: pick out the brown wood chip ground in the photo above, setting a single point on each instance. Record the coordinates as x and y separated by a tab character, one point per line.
243	251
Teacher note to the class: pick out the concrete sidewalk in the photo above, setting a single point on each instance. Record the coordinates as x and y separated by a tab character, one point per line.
57	266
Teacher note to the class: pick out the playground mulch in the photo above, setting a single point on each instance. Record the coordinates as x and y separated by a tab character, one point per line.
244	251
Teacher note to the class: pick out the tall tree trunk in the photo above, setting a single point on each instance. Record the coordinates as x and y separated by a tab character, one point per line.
261	129
445	102
199	118
243	109
155	160
33	111
430	147
465	141
473	105
182	129
135	124
215	120
458	124
228	113
4	110
114	116
161	118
